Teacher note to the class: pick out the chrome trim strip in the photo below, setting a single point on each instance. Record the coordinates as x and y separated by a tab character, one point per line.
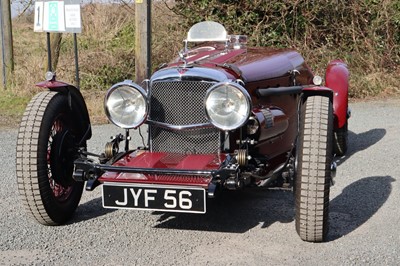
178	127
155	171
188	73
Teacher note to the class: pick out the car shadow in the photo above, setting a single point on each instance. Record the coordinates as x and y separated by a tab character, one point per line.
90	210
235	212
240	211
231	211
357	203
361	141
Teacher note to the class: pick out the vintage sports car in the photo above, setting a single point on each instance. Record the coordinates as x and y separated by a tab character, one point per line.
222	116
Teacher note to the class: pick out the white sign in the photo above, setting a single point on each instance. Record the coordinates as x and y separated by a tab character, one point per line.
57	16
54	16
72	16
38	24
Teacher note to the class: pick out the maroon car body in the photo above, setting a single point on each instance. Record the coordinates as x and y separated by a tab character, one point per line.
222	116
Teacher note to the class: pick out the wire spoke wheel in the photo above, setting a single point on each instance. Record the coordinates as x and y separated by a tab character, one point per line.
61	190
46	151
313	173
340	140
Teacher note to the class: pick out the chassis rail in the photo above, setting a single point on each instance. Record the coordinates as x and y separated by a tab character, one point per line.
89	171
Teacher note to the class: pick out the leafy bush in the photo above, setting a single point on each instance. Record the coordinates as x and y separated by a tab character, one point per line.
365	33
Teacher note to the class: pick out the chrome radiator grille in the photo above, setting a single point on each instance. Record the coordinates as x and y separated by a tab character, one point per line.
181	103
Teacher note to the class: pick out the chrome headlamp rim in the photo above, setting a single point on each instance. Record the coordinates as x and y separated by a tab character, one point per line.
247	99
133	86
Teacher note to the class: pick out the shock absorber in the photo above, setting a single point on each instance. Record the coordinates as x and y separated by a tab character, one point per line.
242	157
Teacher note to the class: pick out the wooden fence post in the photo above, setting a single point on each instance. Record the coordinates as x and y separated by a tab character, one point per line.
142	40
6	44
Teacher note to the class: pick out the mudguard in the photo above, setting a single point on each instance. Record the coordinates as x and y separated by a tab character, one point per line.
317	90
77	105
337	78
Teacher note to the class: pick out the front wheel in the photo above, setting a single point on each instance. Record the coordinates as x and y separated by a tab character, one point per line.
46	150
313	170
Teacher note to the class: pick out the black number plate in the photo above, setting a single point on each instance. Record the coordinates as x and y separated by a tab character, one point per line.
154	197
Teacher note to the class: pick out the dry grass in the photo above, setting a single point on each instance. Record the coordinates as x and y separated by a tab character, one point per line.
106	53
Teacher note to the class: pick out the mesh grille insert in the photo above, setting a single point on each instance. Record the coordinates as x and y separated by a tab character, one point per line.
181	103
185	141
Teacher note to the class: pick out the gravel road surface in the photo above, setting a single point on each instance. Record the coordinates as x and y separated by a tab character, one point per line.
244	228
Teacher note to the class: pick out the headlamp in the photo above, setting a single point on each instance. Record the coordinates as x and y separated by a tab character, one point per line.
227	105
126	105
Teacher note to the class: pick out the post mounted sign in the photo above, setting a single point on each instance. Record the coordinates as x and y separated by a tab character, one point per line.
58	16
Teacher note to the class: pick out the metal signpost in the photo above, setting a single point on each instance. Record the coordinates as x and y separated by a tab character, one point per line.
59	17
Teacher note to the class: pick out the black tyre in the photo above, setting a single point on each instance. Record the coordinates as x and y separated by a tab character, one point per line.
313	170
340	140
46	149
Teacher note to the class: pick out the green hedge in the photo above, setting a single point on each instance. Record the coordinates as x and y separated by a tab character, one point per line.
365	33
362	26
